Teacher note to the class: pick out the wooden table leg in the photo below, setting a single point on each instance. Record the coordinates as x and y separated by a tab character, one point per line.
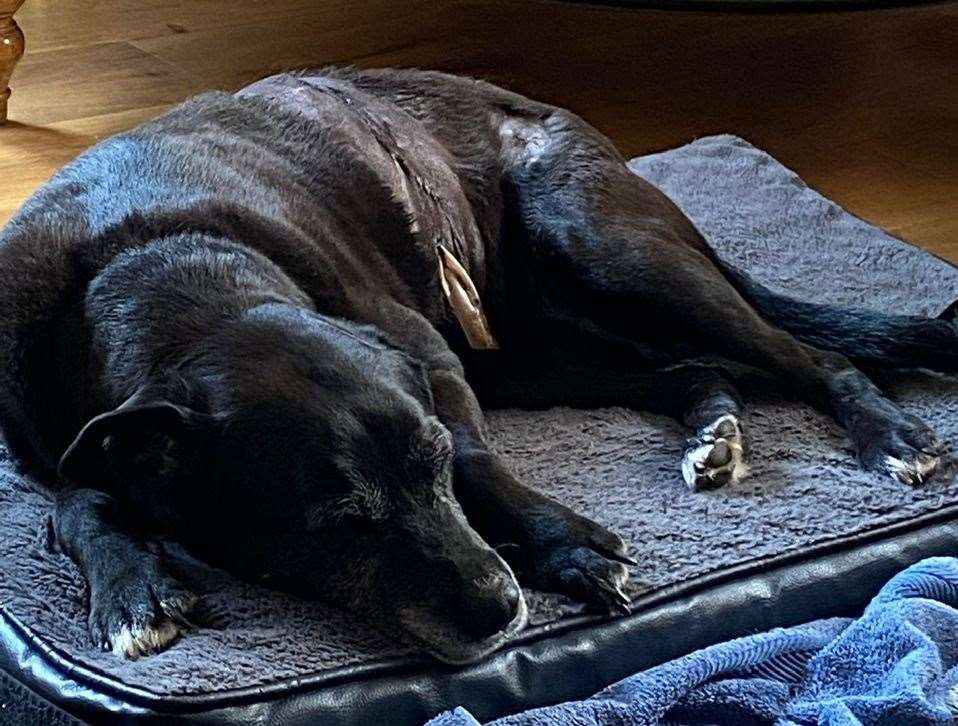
11	49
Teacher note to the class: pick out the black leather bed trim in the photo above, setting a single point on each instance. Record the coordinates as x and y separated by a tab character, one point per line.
20	706
570	659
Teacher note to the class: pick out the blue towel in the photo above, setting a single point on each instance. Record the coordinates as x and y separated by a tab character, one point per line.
896	664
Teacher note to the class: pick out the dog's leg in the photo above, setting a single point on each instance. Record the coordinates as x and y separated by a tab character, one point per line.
135	607
865	336
549	546
700	395
607	247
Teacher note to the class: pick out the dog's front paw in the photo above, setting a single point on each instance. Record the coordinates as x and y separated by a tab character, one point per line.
584	575
574	556
140	612
716	456
904	448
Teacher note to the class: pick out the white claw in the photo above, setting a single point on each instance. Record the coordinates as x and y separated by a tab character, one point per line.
913	472
134	641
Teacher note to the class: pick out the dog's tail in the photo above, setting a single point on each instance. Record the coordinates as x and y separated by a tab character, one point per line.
906	341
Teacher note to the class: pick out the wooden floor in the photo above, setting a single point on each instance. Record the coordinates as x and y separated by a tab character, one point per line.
863	105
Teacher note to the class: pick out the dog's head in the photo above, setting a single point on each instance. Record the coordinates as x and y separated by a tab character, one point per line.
305	450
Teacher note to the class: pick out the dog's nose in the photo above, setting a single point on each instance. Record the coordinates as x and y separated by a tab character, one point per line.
492	610
511	597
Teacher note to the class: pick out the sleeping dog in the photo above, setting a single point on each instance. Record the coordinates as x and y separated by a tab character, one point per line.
265	324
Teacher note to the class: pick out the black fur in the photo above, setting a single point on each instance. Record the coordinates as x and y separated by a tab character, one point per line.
864	335
227	326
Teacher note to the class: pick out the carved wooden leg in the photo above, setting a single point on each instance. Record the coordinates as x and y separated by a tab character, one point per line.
11	48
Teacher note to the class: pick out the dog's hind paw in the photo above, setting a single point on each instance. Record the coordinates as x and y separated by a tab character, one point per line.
716	456
142	614
904	448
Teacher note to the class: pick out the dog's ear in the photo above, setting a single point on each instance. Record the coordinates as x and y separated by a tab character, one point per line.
143	438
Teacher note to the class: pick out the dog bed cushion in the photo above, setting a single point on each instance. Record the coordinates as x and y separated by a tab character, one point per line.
808	534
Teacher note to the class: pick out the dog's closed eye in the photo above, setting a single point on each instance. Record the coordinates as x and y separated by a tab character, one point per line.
366	502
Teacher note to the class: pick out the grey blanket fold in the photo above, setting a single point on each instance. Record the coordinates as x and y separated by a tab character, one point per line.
616	465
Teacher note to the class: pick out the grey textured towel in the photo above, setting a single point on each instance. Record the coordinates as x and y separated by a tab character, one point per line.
618	466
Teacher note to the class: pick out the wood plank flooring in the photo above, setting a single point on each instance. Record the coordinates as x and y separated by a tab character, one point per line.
863	105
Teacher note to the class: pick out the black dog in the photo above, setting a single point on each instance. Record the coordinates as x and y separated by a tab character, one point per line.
264	322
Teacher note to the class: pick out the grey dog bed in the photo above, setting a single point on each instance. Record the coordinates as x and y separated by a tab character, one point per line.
258	649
